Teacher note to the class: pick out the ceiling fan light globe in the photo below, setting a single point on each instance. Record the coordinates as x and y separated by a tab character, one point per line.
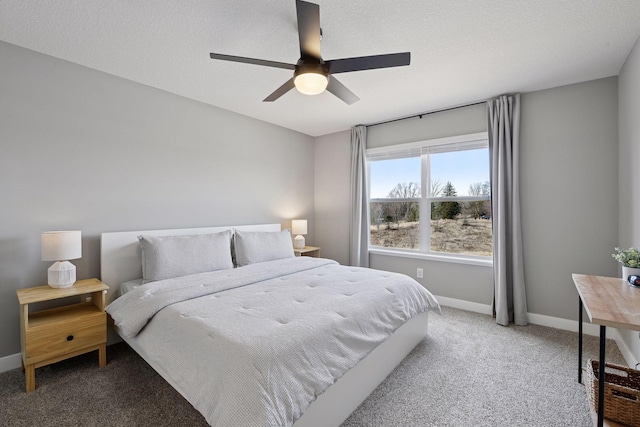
311	83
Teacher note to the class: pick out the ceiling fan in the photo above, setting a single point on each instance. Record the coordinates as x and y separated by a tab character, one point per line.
311	74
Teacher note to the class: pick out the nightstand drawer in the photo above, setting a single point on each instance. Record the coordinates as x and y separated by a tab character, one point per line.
46	341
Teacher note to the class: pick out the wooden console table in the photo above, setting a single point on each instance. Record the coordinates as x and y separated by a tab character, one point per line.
608	302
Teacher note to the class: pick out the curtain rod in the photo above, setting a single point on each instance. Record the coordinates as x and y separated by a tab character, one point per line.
425	114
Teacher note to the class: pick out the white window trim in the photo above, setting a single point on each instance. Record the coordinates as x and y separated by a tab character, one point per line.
417	149
453	258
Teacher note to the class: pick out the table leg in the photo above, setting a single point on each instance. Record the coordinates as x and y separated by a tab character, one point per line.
102	355
603	347
30	377
580	341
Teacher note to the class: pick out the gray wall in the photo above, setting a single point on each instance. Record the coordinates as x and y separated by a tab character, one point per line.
81	149
629	150
569	190
629	164
569	193
331	196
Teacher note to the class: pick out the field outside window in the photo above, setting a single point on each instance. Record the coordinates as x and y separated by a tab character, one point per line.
448	184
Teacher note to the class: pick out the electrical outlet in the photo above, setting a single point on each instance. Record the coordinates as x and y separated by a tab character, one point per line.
419	273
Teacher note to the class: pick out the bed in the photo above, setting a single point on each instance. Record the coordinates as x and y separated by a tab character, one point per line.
162	318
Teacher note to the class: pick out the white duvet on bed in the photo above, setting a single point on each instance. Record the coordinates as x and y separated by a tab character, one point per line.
254	346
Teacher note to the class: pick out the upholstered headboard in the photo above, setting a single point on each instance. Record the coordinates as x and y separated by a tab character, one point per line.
121	260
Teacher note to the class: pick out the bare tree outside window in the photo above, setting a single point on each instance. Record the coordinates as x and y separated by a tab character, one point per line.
405	210
400	211
481	208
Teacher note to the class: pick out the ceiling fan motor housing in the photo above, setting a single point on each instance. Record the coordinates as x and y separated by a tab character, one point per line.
310	64
311	75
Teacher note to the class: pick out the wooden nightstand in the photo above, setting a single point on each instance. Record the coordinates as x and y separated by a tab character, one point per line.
52	335
311	251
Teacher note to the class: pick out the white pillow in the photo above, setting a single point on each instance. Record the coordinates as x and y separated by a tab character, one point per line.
260	246
165	257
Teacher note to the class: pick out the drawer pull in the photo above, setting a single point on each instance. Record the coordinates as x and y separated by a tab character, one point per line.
70	337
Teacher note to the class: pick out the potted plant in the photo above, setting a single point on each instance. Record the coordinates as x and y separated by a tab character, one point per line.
630	260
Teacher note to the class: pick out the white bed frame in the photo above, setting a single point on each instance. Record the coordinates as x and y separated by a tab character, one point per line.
121	261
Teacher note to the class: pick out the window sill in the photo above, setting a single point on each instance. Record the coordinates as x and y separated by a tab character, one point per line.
431	257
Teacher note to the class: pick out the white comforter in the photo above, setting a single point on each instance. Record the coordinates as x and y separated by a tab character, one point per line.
254	346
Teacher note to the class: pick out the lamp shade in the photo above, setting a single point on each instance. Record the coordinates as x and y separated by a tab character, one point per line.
299	226
61	245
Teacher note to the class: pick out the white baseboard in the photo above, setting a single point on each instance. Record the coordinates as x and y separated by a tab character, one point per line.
571	325
10	362
464	305
629	357
552	322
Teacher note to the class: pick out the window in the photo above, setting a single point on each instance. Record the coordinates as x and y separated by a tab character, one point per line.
445	180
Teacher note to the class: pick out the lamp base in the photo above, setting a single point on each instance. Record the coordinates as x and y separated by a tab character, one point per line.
62	274
298	242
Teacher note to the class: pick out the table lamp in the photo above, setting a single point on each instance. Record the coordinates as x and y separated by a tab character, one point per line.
299	227
61	246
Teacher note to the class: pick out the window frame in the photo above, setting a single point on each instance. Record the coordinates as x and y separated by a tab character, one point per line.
423	149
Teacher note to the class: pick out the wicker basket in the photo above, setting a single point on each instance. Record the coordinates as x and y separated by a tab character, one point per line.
621	392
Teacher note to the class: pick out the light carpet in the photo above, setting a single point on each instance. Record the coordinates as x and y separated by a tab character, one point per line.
470	371
467	372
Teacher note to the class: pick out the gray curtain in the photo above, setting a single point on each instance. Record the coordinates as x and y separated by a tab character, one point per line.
509	300
359	220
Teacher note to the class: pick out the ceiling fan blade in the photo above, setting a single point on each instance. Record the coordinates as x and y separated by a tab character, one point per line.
368	62
252	61
308	28
280	91
341	91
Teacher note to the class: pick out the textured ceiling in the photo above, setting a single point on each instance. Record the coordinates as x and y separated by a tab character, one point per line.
461	51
